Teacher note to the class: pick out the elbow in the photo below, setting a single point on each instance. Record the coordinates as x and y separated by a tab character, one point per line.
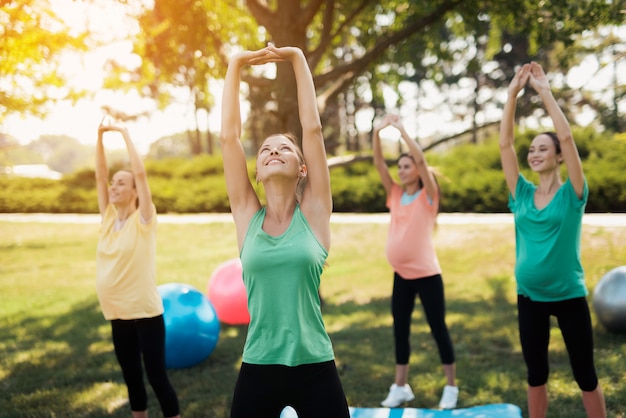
312	130
565	137
140	174
505	144
227	136
102	174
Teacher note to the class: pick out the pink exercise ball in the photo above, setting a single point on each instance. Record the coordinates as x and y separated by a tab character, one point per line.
227	293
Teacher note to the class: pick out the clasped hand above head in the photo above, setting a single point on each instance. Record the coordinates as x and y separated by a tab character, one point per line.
270	53
107	124
531	73
389	120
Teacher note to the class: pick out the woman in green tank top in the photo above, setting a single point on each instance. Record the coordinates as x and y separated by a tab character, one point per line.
288	358
548	272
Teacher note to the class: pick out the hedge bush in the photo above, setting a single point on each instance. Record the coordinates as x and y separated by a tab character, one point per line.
470	177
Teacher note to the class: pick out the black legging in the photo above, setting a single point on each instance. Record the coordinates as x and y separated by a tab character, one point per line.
312	390
132	339
430	291
575	323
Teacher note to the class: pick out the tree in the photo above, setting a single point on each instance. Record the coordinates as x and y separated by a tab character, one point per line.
354	49
62	153
182	45
349	44
32	39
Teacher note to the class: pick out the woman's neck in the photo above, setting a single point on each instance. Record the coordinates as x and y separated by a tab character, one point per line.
549	183
123	212
411	188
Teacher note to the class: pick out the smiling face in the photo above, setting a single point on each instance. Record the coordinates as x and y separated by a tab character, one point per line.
279	155
543	154
407	170
122	189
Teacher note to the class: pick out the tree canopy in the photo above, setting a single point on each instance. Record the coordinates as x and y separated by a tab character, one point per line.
32	39
465	49
355	48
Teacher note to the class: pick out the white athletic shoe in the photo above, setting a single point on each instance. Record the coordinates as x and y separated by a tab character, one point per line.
398	395
449	397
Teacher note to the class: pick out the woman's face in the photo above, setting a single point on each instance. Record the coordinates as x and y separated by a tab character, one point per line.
407	170
278	156
122	188
542	154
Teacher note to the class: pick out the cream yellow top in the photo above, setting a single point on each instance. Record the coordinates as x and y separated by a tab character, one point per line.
126	268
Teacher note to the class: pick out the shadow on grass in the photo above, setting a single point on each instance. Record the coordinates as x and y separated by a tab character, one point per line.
484	347
52	361
65	365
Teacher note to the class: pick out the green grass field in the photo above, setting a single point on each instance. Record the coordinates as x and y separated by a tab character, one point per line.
56	357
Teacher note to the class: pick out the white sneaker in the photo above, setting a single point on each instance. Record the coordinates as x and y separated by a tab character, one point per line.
398	395
449	397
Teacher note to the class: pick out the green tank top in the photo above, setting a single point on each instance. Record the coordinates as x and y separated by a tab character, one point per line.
282	278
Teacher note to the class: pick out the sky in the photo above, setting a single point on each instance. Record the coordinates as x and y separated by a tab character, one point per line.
81	120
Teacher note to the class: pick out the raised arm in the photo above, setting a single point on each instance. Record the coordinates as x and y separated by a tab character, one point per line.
539	82
241	195
316	202
508	156
102	171
379	158
428	180
139	172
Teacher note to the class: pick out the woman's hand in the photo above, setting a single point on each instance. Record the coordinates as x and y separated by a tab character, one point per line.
287	53
388	119
519	80
107	126
265	55
538	79
258	57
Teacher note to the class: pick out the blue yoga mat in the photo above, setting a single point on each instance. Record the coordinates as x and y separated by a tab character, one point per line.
482	411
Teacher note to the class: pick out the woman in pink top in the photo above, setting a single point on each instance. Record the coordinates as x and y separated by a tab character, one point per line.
410	251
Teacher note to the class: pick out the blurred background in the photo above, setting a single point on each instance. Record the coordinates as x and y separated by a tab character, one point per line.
158	65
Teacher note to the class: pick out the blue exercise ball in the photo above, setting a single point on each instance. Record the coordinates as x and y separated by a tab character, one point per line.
191	325
609	300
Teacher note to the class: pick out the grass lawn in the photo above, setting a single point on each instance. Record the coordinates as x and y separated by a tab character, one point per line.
56	356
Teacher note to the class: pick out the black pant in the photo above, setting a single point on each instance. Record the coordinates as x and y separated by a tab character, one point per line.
131	340
575	323
312	390
430	291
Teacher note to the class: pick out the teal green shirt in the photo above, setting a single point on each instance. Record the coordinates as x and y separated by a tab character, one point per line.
282	278
548	266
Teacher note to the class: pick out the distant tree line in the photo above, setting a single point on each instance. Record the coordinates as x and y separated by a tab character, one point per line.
470	176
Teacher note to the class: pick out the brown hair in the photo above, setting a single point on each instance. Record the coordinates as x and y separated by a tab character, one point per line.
555	140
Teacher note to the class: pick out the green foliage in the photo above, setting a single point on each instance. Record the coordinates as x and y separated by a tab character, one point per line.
470	177
32	74
357	190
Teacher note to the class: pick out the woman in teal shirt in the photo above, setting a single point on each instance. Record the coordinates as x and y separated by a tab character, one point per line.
548	272
288	358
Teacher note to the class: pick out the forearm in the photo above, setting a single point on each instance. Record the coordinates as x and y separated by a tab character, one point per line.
307	98
231	112
414	149
561	125
376	146
507	124
102	170
135	160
